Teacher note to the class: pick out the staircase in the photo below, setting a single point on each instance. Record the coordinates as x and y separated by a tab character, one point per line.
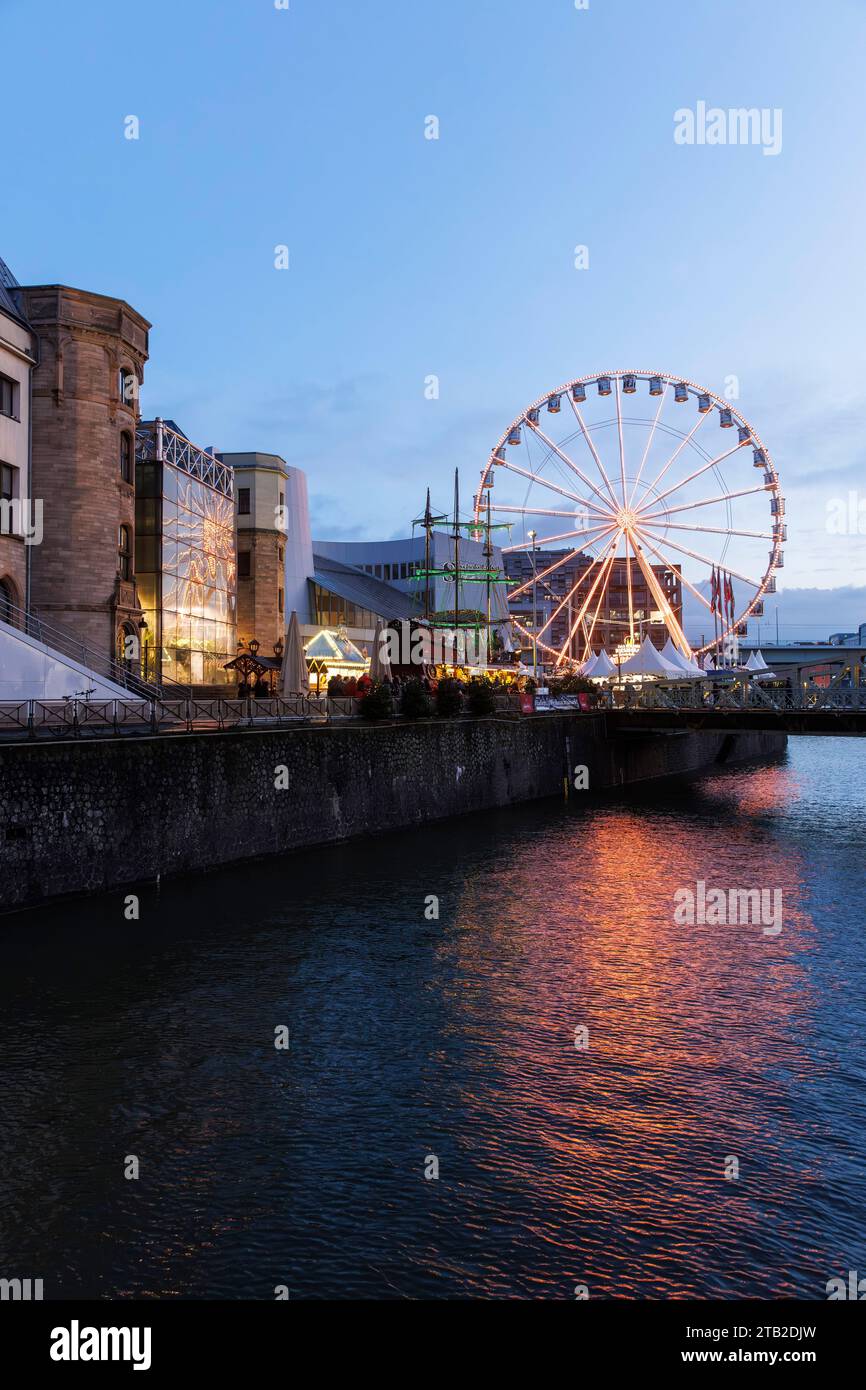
92	658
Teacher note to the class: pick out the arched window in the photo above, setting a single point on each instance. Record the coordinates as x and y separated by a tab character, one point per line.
7	601
126	456
124	553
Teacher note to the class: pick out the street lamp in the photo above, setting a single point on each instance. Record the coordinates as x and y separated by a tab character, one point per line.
532	536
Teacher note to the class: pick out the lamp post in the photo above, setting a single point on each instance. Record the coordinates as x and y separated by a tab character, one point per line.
533	536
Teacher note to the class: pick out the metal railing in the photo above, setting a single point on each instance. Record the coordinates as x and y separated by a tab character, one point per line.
739	696
84	718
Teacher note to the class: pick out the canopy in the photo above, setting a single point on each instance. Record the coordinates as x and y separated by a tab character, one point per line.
648	661
589	666
756	662
602	667
676	658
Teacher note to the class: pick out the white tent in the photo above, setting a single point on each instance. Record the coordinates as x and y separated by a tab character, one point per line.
676	658
589	666
602	667
756	662
648	661
294	678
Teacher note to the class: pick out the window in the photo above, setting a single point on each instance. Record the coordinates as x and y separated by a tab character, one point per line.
7	494
387	571
127	387
8	397
126	456
243	501
124	553
280	600
280	553
244	564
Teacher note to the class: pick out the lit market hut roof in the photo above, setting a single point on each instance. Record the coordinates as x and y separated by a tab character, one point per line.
335	649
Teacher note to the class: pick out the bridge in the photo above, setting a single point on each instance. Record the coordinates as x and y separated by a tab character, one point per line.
797	707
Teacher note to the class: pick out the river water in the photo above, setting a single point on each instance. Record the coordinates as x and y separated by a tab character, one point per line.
416	1042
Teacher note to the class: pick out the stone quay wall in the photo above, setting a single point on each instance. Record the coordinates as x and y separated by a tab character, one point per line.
81	816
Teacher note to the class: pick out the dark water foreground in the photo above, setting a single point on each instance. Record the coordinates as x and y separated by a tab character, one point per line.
456	1038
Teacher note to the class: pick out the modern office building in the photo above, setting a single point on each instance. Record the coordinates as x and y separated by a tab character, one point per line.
17	361
184	558
92	351
402	565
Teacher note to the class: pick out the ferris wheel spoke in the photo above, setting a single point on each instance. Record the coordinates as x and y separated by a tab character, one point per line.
570	595
541	541
588	634
567	556
697	473
629	586
711	564
719	531
675	455
688	583
531	511
621	445
605	568
592	449
703	502
670	618
662	398
539	433
554	487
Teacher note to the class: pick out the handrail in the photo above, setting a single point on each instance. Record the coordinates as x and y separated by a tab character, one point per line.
96	660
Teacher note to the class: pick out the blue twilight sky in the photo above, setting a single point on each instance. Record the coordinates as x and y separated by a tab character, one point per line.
408	257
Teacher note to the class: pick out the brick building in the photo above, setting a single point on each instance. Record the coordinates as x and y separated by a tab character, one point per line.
92	351
612	624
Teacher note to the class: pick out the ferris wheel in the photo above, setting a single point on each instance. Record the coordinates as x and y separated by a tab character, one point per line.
632	485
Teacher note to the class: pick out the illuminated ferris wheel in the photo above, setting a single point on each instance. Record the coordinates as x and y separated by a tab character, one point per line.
647	469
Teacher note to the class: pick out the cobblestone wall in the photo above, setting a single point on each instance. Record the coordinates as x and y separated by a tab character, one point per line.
78	817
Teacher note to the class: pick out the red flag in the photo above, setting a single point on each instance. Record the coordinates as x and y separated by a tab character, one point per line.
729	597
714	591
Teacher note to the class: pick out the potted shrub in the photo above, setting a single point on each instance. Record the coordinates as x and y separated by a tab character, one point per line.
482	699
378	703
449	698
415	701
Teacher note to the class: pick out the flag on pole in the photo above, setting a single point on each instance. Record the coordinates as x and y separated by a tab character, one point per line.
714	591
729	597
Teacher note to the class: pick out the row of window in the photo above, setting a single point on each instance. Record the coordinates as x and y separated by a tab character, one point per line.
405	569
244	501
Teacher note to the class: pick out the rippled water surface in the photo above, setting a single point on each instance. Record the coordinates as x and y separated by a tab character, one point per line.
456	1038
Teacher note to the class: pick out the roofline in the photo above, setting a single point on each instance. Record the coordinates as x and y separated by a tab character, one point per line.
93	294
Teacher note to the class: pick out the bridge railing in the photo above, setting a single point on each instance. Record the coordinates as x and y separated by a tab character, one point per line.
740	696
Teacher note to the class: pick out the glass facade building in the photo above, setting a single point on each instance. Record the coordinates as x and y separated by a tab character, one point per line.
185	563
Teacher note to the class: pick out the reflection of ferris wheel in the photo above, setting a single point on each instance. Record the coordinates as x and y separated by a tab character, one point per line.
646	485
